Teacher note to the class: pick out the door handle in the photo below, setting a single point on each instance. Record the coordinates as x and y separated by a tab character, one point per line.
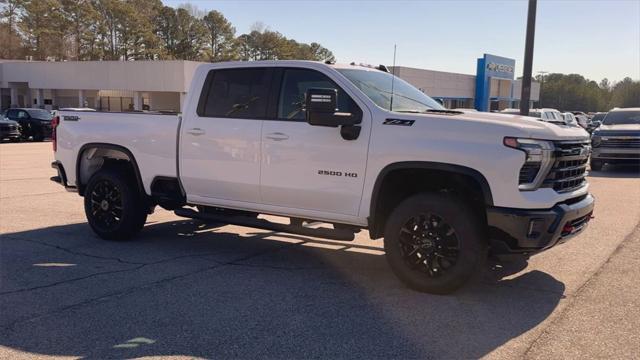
277	136
196	131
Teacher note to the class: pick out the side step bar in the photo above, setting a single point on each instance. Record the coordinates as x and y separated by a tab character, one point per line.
325	233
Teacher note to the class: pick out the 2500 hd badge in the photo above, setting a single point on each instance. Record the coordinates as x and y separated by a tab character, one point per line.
337	173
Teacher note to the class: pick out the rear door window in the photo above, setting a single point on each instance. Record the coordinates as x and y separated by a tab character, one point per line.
236	93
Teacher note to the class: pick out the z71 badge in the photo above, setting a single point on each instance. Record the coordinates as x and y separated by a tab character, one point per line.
398	122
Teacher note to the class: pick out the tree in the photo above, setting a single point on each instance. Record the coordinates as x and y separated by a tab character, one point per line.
625	93
79	15
9	36
320	53
41	23
191	36
221	36
167	30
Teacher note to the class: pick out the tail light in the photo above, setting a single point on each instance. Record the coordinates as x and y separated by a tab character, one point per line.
54	139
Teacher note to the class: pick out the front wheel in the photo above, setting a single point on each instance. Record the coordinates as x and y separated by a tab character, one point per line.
113	205
434	243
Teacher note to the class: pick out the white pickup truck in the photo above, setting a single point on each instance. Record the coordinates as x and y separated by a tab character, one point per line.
349	146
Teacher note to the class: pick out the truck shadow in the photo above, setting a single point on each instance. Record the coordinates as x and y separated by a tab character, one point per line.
190	289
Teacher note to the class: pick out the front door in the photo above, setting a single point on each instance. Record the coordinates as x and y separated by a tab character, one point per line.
220	142
311	167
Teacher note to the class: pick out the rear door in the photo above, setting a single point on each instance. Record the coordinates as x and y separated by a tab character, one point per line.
220	142
311	167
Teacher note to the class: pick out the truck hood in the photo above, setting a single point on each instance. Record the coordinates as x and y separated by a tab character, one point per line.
532	127
7	121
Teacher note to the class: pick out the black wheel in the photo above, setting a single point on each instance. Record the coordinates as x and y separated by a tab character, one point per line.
434	243
113	205
596	165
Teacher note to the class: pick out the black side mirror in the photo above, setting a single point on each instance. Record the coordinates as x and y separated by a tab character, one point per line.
320	106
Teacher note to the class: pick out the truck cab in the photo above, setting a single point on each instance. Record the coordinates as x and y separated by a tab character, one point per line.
350	146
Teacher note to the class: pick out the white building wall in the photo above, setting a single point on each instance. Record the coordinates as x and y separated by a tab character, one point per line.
439	83
101	75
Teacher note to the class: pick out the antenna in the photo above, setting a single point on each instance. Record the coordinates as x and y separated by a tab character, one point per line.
393	78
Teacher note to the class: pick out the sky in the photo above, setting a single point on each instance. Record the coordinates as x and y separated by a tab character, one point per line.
595	38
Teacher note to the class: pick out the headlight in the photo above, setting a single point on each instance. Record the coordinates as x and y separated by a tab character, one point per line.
596	140
537	163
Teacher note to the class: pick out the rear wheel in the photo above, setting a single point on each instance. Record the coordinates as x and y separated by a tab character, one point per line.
434	243
596	165
113	205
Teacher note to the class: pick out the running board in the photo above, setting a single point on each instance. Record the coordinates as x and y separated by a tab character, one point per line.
325	233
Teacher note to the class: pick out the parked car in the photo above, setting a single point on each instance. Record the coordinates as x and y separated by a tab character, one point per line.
545	114
9	129
570	119
333	144
617	140
35	123
595	121
583	120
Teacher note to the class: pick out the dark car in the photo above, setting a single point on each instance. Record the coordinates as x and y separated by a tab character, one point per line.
35	123
617	140
9	130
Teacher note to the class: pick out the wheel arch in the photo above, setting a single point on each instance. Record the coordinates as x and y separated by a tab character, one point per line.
99	154
459	174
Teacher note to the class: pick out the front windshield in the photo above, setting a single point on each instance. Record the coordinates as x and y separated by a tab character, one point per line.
598	117
40	114
377	86
622	118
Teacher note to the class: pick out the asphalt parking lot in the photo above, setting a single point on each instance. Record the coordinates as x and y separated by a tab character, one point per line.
185	289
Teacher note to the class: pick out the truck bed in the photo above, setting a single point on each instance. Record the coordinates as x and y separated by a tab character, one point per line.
150	137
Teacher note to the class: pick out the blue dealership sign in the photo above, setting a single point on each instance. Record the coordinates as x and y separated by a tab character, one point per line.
491	66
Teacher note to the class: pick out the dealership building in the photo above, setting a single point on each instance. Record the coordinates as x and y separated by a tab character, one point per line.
163	85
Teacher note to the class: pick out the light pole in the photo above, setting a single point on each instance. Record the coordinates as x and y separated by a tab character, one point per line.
528	58
542	74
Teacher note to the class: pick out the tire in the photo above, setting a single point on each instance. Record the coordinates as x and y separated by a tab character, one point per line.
113	205
596	165
452	245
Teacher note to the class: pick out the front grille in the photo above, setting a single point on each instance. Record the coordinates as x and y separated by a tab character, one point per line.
570	165
620	143
6	127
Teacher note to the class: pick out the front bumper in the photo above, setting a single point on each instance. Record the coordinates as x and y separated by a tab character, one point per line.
10	134
524	231
615	154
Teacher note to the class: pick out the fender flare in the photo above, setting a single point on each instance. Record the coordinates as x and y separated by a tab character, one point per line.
108	146
425	165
